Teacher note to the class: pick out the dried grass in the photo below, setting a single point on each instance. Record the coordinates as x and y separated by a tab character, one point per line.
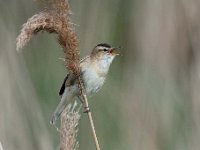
58	21
55	21
68	131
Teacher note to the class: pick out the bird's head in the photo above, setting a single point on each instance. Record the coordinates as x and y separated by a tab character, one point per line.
104	52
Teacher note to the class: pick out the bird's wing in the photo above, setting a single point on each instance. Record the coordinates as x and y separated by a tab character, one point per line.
62	89
69	80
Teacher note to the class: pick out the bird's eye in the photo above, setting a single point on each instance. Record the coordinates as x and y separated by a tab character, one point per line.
105	50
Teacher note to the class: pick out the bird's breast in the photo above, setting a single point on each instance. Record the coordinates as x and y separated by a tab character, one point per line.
93	80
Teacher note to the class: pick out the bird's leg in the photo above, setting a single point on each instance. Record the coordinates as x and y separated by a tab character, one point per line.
86	109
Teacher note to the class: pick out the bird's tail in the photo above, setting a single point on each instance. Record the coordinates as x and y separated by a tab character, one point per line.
66	98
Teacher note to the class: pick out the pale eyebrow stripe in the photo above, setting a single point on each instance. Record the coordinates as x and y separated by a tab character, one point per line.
101	47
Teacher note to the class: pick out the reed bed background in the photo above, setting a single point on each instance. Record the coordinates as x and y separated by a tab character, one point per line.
151	96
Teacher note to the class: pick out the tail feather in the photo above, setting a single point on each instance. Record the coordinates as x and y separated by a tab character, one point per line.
66	98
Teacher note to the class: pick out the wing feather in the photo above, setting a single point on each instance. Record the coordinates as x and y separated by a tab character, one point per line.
62	89
70	79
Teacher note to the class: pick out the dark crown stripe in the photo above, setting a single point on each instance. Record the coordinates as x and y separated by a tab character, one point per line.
104	45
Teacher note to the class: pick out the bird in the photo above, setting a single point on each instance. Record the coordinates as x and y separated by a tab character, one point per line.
94	69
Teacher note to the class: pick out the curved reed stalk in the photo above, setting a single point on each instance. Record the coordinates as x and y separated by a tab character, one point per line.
58	21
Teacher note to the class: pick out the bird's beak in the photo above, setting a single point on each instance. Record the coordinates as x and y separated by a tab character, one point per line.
114	51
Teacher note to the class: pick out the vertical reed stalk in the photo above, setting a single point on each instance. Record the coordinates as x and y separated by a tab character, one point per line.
83	93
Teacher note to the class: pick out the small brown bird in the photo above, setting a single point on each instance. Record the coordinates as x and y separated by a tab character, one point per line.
94	69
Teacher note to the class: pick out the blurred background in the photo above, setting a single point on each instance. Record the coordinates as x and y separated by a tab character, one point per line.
151	99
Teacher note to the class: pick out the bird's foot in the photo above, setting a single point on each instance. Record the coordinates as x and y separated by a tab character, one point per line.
87	109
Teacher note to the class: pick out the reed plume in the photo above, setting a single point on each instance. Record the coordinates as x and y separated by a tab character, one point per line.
54	21
58	21
69	122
